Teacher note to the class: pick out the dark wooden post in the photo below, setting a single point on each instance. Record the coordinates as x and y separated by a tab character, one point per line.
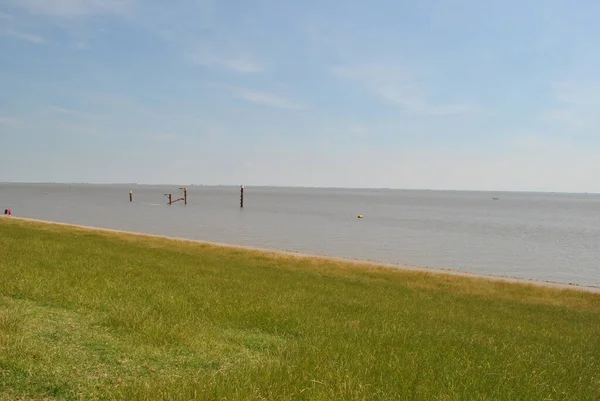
242	196
130	196
170	199
185	195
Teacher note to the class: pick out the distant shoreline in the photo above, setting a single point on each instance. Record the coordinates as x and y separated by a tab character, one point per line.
133	185
364	262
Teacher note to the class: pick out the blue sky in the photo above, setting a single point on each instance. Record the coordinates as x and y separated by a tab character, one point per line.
446	94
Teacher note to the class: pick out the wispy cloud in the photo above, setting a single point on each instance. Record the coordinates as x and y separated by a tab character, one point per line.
28	37
359	129
104	103
4	120
163	137
577	93
578	103
73	8
399	88
263	98
566	116
241	64
63	111
82	45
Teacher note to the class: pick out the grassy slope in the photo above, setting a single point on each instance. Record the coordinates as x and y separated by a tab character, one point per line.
87	315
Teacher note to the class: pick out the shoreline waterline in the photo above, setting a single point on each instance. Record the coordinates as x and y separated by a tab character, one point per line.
359	262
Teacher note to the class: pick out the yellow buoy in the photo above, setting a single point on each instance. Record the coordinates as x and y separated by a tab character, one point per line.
360	216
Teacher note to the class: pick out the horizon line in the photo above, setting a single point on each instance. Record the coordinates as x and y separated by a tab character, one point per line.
299	187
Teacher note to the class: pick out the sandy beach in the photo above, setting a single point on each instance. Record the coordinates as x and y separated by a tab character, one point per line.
432	270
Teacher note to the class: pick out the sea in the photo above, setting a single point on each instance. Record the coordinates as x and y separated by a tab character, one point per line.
545	236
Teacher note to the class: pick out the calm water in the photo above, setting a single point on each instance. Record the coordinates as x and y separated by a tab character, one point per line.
544	236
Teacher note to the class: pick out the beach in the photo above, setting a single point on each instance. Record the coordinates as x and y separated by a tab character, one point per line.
423	269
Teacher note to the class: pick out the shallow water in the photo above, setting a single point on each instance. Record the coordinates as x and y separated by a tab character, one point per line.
552	237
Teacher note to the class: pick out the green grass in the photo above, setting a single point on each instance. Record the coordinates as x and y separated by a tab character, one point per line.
96	315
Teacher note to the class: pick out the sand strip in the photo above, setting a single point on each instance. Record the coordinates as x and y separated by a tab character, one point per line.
508	279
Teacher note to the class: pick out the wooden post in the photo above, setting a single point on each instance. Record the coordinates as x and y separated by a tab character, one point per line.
130	196
242	196
185	195
170	199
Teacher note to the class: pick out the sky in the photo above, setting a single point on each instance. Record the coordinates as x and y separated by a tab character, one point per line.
445	94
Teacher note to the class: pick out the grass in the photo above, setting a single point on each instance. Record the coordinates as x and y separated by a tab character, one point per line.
96	315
